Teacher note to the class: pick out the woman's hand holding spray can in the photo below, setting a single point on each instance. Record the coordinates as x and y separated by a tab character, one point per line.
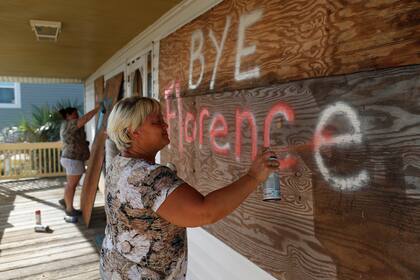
271	187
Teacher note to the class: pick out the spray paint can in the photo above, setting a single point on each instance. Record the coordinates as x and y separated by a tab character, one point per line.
42	228
38	217
271	186
39	227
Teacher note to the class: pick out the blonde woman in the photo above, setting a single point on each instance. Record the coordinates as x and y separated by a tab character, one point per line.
148	207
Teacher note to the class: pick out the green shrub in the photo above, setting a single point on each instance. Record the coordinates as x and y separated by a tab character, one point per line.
45	123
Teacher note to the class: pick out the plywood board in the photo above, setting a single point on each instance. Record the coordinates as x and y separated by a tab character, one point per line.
90	183
250	43
99	93
295	75
347	205
99	96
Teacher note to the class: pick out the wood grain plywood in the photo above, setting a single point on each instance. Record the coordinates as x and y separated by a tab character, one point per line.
92	176
331	223
244	44
99	89
99	84
349	139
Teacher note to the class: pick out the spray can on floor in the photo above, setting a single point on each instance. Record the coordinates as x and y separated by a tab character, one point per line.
42	228
38	217
39	227
271	186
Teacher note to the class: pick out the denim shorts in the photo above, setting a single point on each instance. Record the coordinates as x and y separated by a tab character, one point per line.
73	166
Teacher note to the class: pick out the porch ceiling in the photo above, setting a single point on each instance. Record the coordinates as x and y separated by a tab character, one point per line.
92	31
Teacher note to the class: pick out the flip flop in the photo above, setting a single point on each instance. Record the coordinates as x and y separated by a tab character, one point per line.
62	202
72	217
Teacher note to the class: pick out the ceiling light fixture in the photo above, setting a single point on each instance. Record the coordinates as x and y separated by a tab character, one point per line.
46	30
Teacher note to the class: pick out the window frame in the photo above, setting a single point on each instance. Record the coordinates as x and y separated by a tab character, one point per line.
17	103
140	63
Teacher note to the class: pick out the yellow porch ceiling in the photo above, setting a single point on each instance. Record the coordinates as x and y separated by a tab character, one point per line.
92	31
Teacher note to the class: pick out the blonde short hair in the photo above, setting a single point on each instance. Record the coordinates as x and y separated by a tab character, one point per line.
128	114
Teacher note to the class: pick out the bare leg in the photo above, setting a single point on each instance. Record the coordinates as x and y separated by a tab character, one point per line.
69	190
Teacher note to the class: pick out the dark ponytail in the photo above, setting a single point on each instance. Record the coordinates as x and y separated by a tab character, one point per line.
66	111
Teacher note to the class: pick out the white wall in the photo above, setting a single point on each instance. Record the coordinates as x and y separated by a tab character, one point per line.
89	105
209	258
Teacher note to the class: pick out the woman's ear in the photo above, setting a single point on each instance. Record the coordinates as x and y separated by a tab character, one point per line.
134	134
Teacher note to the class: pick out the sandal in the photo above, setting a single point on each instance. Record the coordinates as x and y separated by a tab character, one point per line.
62	202
71	217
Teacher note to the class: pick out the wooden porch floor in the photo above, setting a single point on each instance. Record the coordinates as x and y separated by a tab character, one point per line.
69	252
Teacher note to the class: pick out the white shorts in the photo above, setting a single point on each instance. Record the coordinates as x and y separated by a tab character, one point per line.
73	166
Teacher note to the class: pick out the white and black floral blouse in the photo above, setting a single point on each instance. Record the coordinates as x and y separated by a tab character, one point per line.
139	244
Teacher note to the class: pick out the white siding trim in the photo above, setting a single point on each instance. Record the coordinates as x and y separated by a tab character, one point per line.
137	63
114	71
155	69
211	259
89	104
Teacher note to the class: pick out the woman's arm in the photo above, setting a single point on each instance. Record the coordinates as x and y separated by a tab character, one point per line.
86	117
188	208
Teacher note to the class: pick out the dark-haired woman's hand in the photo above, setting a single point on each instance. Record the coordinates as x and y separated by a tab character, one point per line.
102	107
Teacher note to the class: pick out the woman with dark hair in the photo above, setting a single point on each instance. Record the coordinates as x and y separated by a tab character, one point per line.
75	153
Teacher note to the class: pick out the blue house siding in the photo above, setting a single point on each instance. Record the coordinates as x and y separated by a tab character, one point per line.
39	95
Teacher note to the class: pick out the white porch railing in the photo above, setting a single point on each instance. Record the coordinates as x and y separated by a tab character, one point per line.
23	160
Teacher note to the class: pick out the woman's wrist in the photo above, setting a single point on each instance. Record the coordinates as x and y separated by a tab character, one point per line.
253	178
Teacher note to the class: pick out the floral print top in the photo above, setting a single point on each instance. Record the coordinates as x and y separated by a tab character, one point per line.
139	244
74	141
